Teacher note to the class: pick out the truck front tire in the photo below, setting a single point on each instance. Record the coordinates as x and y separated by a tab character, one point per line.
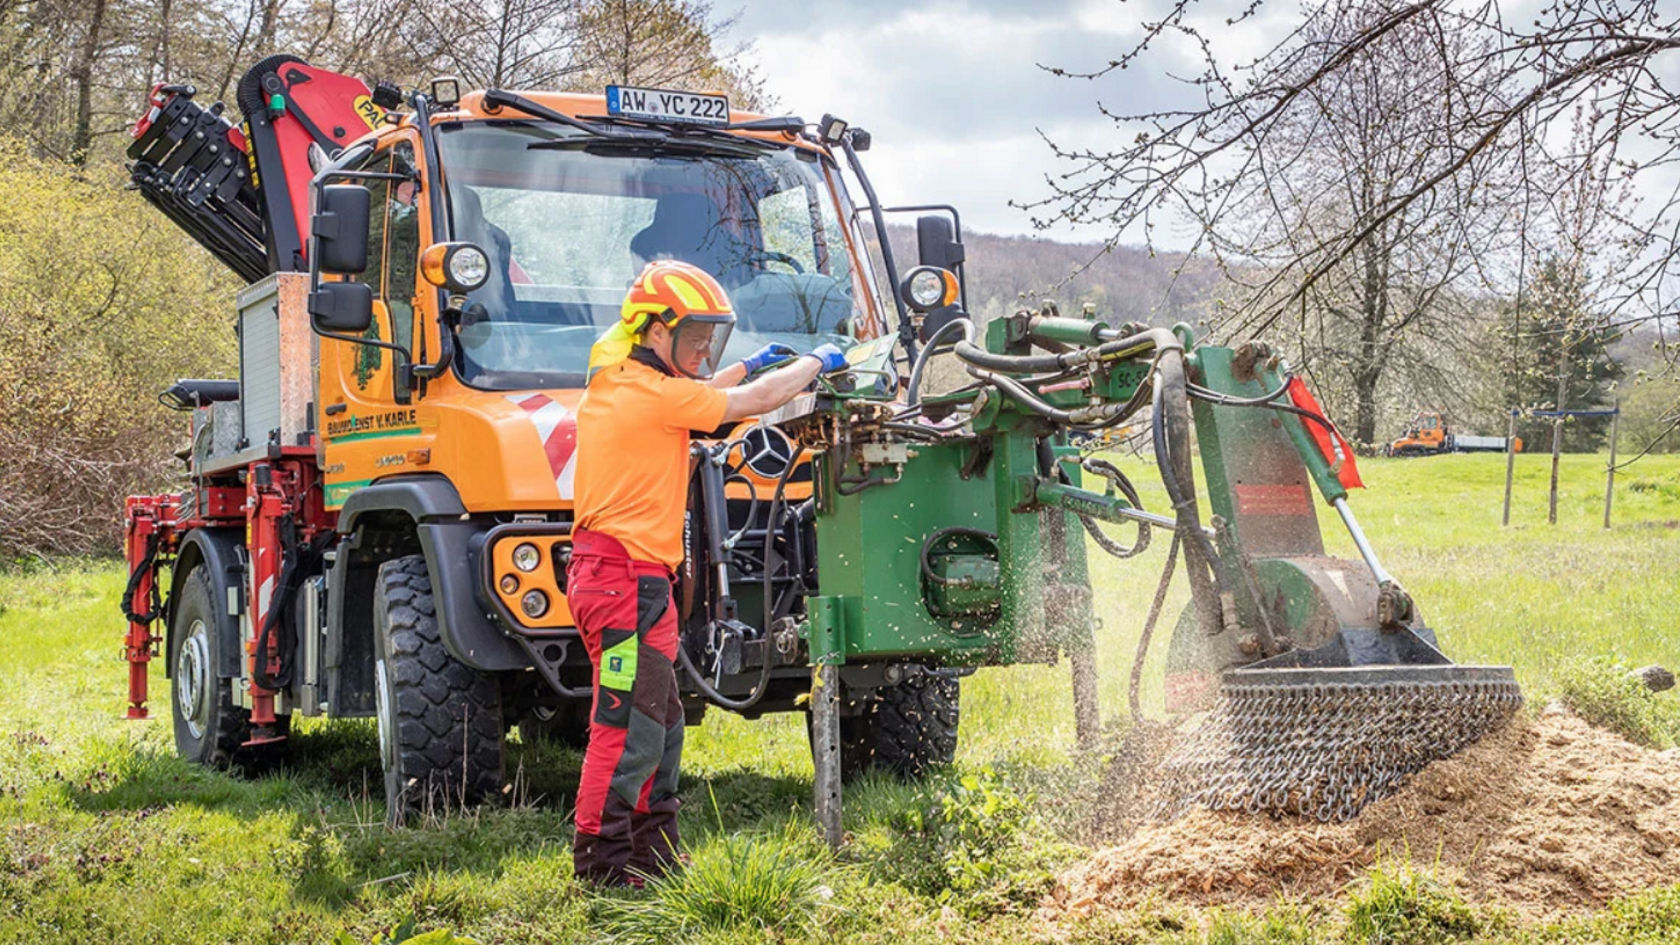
440	722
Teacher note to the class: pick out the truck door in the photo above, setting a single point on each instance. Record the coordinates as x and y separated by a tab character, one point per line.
359	384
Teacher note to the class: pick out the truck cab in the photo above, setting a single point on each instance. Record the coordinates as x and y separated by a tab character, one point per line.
1426	434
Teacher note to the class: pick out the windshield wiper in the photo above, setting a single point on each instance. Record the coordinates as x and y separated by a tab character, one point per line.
678	131
639	144
497	98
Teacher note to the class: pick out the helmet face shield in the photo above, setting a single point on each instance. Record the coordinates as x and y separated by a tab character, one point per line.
697	344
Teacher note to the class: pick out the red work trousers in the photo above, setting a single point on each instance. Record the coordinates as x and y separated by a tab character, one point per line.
627	801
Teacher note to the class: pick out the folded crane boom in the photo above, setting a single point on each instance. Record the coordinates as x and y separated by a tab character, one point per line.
242	190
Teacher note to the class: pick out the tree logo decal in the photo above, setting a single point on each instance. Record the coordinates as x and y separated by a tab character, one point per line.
369	357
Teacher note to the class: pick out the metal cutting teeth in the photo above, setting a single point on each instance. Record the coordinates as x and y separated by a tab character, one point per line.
1323	743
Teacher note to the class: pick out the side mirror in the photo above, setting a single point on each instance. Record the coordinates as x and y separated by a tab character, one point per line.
340	228
344	308
936	242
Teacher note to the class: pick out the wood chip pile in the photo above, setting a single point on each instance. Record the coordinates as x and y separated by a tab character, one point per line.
1548	816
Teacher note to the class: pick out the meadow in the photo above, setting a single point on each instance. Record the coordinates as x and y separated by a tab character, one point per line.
106	836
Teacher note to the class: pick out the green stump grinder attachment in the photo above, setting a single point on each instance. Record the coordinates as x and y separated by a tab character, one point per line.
1325	742
949	535
1331	690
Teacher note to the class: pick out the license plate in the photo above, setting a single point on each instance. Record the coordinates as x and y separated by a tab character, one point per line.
665	105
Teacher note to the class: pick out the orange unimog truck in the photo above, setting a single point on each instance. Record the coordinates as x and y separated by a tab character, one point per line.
1429	434
376	517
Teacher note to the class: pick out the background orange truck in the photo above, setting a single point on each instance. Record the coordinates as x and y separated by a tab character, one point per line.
1429	434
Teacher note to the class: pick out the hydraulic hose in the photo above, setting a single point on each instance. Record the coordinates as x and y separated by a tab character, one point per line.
913	393
1170	428
1129	346
1097	415
1113	474
1196	390
772	526
1132	701
1270	402
718	698
763	684
933	539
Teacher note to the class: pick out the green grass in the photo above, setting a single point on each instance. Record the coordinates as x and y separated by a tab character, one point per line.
743	886
1400	904
104	835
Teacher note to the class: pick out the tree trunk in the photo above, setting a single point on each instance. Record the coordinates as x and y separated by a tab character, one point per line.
82	74
1365	397
1373	311
266	28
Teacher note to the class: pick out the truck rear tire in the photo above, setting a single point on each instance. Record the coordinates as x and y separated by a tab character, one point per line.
907	729
440	721
209	727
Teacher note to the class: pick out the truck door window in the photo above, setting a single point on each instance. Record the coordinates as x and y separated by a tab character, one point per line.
378	196
393	243
402	247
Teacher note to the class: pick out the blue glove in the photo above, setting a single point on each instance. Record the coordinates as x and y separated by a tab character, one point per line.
832	358
769	354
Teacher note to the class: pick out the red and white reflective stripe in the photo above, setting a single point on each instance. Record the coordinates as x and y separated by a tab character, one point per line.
557	429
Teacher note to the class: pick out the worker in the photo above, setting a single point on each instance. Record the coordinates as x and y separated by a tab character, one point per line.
654	381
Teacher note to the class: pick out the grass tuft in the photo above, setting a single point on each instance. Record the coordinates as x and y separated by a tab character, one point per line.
1399	904
737	884
1282	925
1600	691
974	841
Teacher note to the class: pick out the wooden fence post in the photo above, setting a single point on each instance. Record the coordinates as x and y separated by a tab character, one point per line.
1610	470
1510	464
1557	448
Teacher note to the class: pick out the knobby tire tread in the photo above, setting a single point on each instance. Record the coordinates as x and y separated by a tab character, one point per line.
448	716
907	730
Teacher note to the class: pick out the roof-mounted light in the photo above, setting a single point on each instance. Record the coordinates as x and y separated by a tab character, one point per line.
446	91
387	95
831	129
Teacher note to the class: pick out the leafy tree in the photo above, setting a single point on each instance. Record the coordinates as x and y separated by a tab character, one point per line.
90	331
665	44
1564	360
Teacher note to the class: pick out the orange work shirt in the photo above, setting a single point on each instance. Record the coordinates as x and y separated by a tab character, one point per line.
632	456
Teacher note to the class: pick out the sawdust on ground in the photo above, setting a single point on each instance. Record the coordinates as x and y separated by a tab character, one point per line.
1549	815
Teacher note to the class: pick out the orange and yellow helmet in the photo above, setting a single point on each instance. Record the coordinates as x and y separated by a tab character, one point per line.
688	302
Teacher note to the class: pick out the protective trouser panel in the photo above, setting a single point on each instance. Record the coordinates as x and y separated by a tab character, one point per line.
627	803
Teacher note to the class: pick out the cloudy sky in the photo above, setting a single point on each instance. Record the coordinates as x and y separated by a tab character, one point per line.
952	92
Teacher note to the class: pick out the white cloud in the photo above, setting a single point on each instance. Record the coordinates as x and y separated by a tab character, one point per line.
954	93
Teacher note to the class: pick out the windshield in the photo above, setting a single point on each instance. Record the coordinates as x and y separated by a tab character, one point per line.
569	220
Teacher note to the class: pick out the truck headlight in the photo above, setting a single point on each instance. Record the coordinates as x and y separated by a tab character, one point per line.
926	288
526	557
459	267
534	603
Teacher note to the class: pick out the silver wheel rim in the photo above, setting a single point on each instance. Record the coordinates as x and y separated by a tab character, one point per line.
387	723
192	682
